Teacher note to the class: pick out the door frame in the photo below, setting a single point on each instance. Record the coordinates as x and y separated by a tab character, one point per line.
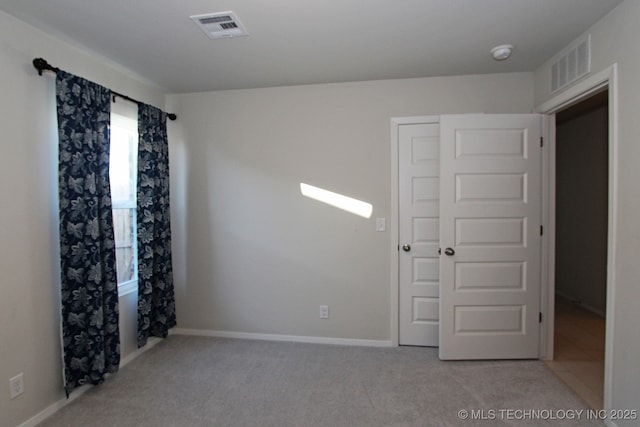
394	251
605	79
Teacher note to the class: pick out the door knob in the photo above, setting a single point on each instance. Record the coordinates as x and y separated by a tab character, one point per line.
406	247
449	252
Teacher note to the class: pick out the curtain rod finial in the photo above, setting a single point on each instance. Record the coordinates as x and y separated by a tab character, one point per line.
40	65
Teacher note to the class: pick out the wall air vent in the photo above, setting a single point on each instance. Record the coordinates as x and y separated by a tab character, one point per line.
571	64
220	25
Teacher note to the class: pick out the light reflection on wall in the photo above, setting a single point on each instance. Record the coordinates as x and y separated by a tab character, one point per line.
351	205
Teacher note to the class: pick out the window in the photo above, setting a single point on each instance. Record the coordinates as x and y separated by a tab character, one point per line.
123	175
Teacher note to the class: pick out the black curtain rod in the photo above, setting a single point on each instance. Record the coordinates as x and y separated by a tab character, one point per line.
42	65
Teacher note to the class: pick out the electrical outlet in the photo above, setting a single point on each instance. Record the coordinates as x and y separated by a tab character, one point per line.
324	311
16	385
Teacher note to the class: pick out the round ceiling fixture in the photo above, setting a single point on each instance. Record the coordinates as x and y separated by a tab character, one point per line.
502	52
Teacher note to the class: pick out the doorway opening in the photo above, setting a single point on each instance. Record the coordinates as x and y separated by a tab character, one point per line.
581	218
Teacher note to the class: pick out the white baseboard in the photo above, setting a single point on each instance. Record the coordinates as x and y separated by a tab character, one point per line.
151	342
275	337
52	409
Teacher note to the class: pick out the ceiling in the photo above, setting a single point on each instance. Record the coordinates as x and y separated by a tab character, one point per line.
295	42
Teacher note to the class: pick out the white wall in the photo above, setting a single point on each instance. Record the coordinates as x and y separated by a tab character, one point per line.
29	307
258	257
615	40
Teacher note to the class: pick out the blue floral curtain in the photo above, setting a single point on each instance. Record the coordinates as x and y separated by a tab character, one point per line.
156	302
89	290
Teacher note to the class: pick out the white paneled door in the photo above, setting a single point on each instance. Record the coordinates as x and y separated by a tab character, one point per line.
490	225
418	194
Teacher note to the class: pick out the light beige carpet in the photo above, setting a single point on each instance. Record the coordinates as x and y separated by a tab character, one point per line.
195	381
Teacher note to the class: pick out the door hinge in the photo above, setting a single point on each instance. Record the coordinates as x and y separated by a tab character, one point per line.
540	317
541	142
541	230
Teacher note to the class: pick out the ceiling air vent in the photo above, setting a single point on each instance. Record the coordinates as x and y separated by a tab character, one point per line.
220	25
573	63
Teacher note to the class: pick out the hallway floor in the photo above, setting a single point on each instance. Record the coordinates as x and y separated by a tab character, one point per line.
579	351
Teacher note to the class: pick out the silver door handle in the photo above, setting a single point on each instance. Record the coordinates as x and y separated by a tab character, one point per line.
406	247
449	252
